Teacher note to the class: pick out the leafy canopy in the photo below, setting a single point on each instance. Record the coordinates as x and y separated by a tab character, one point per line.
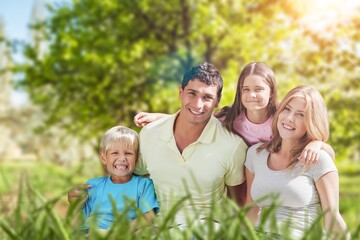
106	60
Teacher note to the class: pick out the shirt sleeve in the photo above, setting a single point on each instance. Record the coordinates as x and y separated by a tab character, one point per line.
323	166
148	200
88	206
250	157
141	168
236	174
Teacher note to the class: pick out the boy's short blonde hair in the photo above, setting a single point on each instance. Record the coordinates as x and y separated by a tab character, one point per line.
119	135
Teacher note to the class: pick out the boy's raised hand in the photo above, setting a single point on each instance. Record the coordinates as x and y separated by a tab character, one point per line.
78	193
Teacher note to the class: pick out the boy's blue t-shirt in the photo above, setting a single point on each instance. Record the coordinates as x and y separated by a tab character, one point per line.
98	205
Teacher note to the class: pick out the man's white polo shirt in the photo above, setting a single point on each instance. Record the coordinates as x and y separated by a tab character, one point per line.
203	169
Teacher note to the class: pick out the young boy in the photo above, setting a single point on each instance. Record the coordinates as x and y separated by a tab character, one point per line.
119	152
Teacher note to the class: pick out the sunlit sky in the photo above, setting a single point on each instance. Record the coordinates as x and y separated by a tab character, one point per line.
16	14
319	13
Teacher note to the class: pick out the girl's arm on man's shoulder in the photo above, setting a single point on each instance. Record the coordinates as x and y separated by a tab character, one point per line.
311	152
143	118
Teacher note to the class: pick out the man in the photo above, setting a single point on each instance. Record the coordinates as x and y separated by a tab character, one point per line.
190	153
193	160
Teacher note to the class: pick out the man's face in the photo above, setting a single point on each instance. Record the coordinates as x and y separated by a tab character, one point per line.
198	101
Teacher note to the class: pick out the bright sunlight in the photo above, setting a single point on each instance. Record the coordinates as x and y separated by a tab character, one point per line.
320	14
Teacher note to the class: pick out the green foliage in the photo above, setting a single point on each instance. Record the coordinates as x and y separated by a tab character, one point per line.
333	65
107	60
32	212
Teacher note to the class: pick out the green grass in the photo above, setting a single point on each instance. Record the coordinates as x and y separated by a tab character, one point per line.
34	206
350	199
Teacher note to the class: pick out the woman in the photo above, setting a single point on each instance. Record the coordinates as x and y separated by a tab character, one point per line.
273	168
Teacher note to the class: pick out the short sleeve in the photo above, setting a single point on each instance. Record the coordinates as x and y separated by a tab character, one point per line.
323	166
236	174
88	206
250	157
148	200
140	168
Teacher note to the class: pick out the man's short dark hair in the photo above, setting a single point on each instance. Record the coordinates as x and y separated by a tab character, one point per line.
206	73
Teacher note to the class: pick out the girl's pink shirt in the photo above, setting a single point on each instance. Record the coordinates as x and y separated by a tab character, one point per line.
251	132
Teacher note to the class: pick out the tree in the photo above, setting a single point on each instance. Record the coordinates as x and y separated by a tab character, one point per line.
329	58
106	60
109	59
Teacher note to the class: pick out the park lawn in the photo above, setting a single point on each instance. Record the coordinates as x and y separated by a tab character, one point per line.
53	181
350	199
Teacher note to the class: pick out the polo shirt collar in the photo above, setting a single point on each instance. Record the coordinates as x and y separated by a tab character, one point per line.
207	136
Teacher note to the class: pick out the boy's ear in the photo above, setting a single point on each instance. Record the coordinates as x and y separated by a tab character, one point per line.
102	157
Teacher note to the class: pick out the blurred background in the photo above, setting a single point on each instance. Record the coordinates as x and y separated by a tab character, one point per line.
70	70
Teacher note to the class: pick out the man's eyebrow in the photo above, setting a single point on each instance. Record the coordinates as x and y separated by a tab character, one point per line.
192	90
196	91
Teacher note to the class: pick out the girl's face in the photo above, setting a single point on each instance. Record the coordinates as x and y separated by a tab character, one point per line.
255	93
291	121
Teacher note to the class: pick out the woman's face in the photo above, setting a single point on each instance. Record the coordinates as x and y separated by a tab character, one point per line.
291	121
255	93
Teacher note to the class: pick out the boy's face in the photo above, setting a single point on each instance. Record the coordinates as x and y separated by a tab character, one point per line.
120	162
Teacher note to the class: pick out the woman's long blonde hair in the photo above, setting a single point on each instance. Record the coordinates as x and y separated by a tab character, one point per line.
316	121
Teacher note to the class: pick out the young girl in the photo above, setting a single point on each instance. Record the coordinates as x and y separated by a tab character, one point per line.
274	168
250	116
255	103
